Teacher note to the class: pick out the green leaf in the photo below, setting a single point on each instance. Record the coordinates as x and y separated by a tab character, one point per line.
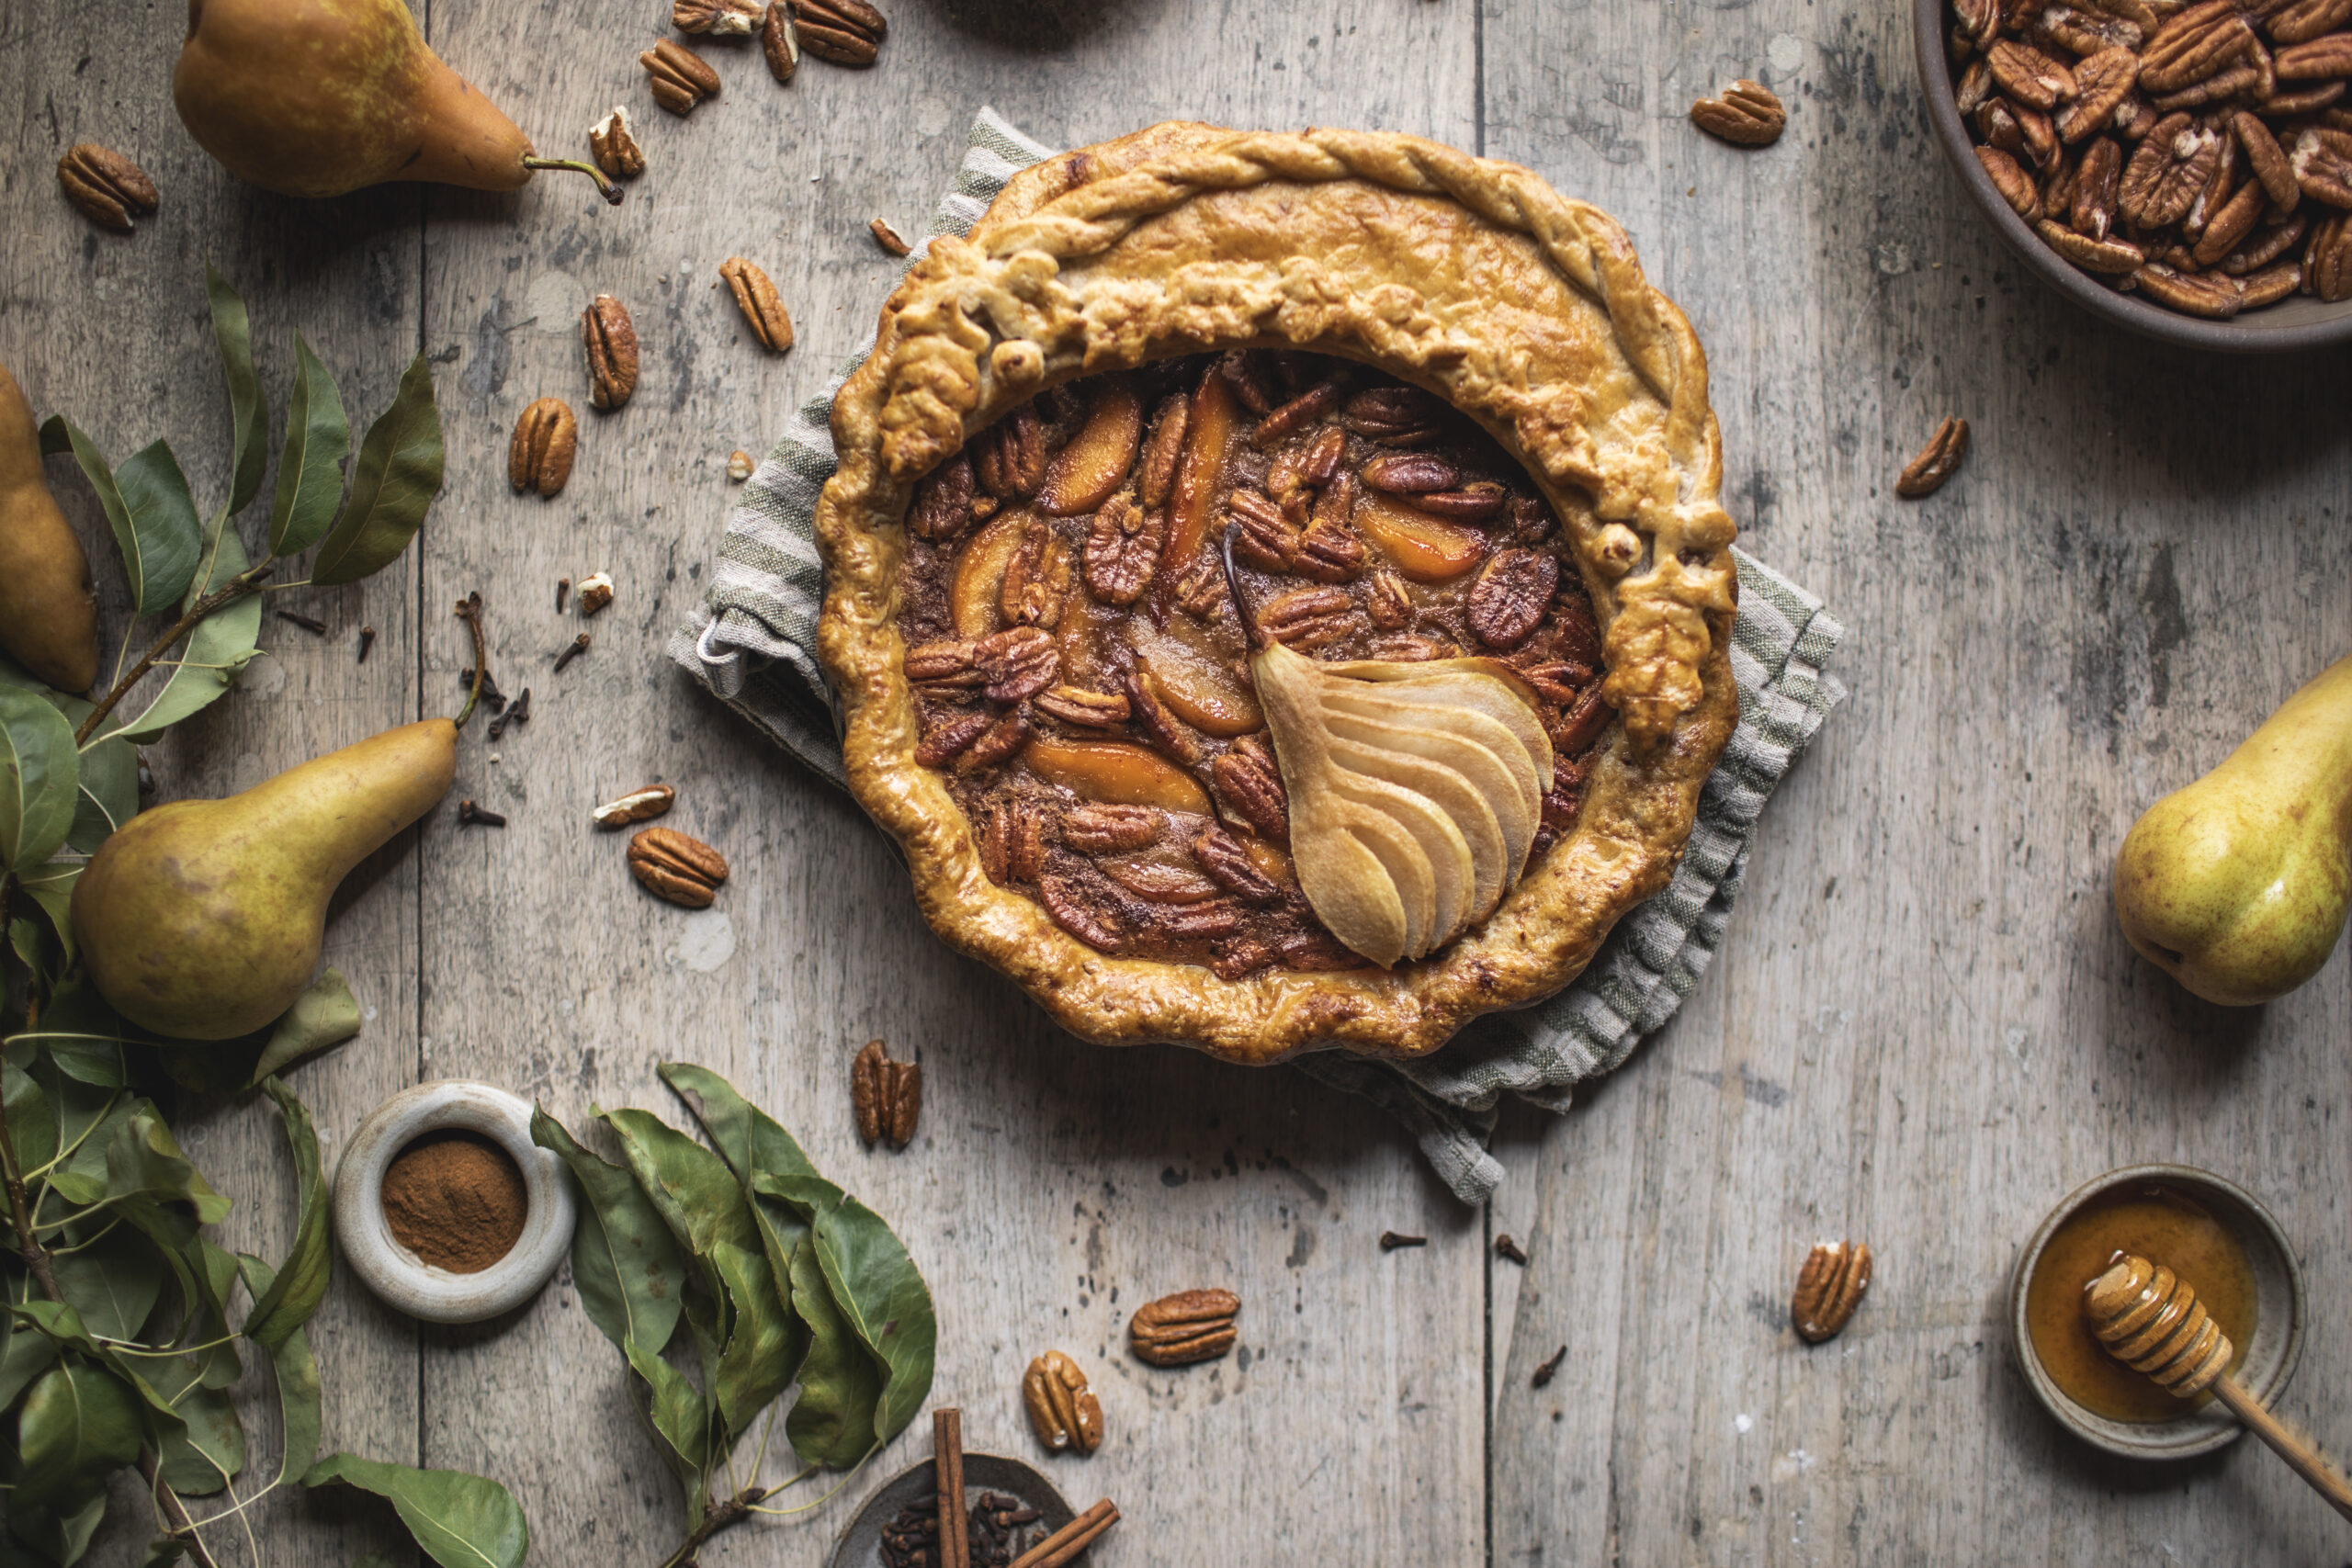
460	1520
223	644
208	1449
678	1418
398	475
144	1165
233	330
25	1354
690	1189
302	1279
324	1015
79	1033
37	780
832	1421
299	1405
768	1342
50	887
624	1262
162	1551
747	1138
112	1283
881	1294
309	468
32	1125
159	546
78	1424
58	1540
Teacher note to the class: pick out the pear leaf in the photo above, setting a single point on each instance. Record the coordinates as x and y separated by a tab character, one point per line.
460	1520
207	1451
624	1262
309	473
298	1403
223	643
25	1355
112	1280
398	475
40	774
831	1423
300	1282
51	887
323	1016
79	1424
159	537
233	328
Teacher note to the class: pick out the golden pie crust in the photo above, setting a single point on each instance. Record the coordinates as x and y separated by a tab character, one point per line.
1469	278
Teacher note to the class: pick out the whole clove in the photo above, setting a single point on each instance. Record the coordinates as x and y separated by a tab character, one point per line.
562	593
1504	1245
469	812
1390	1241
311	624
490	692
579	646
998	1529
1549	1370
367	641
518	712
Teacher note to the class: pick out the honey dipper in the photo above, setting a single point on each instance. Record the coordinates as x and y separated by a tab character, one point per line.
2149	1319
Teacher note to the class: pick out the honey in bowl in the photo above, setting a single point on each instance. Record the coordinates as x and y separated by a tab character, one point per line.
2156	1222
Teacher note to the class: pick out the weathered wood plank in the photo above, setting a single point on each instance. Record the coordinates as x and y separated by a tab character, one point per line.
1925	1028
115	330
1055	1186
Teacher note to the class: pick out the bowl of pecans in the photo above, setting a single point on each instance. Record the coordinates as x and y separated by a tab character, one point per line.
2183	169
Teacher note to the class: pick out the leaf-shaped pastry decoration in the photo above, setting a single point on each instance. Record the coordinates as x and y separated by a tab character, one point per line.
1414	789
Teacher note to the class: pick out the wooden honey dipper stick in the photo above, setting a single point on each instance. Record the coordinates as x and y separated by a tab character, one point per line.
2149	1319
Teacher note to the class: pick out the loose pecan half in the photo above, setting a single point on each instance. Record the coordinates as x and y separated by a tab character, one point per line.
1925	473
1510	596
680	78
1189	1326
886	1097
2101	83
724	18
1010	456
1829	1288
637	806
1093	710
2016	186
1307	618
1223	860
847	32
674	866
2195	44
104	186
2029	76
1748	115
2323	164
612	141
1123	547
1100	829
780	40
1016	664
539	457
943	507
2327	265
610	339
1063	1411
762	308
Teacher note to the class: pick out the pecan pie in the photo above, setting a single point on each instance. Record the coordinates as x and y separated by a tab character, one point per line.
1277	589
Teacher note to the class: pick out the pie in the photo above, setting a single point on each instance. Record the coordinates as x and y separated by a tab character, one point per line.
1277	590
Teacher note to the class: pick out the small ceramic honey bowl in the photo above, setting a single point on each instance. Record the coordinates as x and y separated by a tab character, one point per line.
2215	1234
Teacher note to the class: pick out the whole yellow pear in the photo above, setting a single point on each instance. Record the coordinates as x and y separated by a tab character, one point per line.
2237	886
48	617
203	920
317	97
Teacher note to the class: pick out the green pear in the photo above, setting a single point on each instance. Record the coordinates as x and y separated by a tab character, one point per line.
48	617
317	97
2237	886
202	919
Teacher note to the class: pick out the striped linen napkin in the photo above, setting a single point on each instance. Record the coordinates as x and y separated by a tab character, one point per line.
752	641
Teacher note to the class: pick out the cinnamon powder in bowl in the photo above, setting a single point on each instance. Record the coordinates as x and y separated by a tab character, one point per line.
457	1201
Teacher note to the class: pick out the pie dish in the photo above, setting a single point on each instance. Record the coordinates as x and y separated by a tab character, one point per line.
1456	445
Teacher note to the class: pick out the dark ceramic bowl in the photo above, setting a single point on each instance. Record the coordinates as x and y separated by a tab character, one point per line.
860	1545
2300	321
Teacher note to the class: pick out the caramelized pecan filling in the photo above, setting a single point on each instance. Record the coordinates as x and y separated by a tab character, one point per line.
1081	676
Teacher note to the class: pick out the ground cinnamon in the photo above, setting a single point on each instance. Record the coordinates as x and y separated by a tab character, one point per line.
457	1201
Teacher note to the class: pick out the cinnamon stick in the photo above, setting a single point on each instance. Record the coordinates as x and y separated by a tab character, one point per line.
1057	1548
947	1457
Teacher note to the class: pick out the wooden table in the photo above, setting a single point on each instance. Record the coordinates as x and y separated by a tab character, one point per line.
1924	1027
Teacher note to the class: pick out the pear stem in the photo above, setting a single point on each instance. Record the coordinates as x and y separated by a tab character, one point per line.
605	188
1240	600
470	612
238	587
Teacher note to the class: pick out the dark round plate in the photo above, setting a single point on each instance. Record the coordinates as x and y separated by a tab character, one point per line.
860	1545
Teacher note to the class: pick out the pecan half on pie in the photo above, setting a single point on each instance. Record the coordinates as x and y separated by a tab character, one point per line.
1277	590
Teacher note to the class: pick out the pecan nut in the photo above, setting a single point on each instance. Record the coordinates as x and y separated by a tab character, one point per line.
2328	264
546	438
674	866
720	18
1393	416
886	1097
1925	473
2306	19
998	742
1096	829
610	339
612	141
2215	296
104	186
780	40
1189	1326
1410	473
1163	449
679	77
2323	164
1829	1288
2194	44
1063	1410
1078	907
1168	732
2016	186
1010	456
1510	596
954	662
1123	545
1223	861
1267	539
847	32
1019	662
2099	182
1250	788
2029	76
1390	603
952	735
2101	82
1309	618
943	507
1471	503
1748	115
761	305
637	806
1308	408
1086	709
1036	579
595	591
1012	842
1329	551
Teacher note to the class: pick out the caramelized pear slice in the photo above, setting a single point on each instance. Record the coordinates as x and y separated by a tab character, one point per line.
1193	683
1484	686
1473	819
1207	438
1088	472
1512	793
1158	881
980	576
1116	773
1530	773
1425	548
1453	867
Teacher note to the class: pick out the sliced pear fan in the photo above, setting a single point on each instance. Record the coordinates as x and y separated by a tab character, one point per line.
1415	792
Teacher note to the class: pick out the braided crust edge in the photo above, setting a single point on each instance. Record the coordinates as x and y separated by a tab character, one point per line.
1044	291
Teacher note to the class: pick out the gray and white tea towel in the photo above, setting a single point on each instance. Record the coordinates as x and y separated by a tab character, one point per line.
752	642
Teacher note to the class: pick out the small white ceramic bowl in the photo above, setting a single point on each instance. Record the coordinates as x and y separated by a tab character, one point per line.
395	1273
